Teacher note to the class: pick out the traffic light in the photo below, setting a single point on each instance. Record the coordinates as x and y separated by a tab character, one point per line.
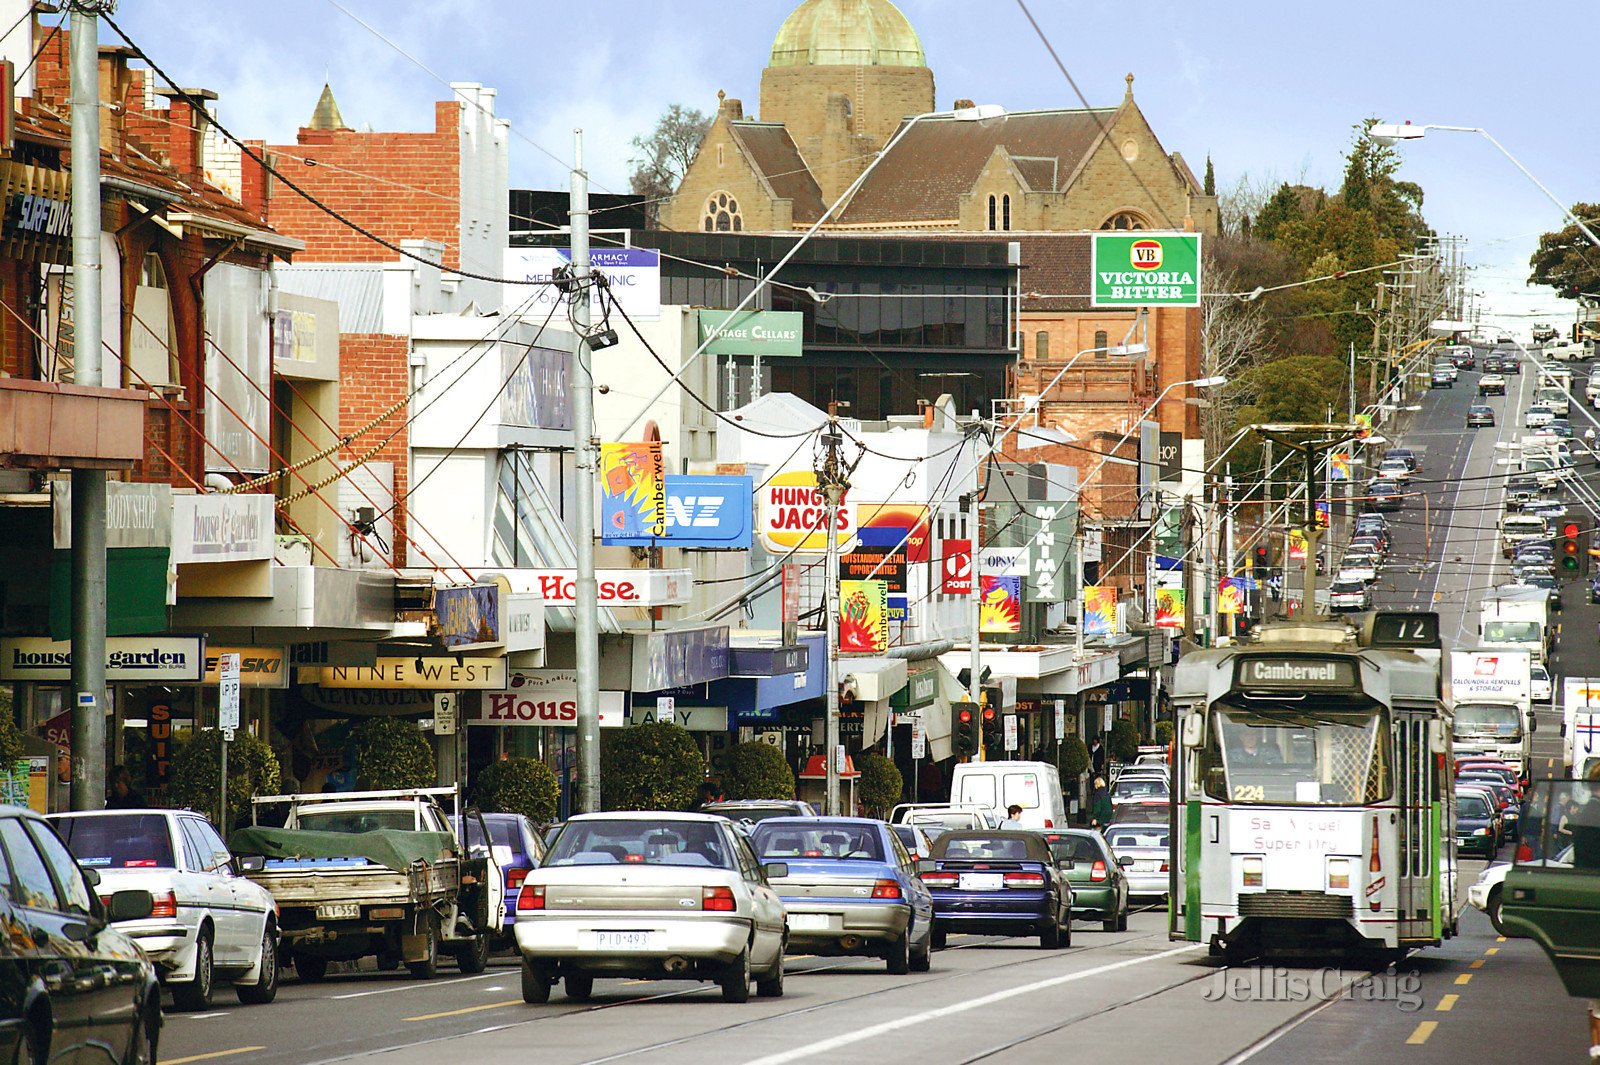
1572	553
991	729
1263	562
966	739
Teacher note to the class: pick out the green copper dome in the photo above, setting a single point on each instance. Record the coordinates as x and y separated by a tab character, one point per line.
847	33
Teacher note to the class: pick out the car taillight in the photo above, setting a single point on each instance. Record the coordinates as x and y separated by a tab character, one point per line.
1024	880
718	898
1165	868
1097	871
531	898
886	889
164	905
941	880
515	877
1048	823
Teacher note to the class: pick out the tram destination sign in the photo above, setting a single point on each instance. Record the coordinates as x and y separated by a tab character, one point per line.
1297	673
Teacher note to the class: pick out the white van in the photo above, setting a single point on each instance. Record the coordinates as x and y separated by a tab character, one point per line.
1034	786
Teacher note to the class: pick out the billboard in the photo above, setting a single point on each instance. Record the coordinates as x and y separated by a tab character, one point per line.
794	516
875	563
863	616
770	334
634	274
709	512
633	500
1000	606
1145	269
891	524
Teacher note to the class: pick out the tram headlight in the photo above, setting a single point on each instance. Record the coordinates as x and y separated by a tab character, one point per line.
1338	874
1254	870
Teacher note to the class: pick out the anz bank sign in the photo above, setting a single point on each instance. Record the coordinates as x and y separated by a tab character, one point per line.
708	512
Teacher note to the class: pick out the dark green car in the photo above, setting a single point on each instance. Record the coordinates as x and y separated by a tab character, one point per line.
1099	888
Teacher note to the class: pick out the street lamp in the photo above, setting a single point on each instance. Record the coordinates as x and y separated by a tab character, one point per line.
1390	134
977	113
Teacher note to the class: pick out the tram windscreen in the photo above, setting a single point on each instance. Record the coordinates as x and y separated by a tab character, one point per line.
1511	632
1500	720
1298	756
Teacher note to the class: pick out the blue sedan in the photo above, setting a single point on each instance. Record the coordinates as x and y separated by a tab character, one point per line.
517	849
999	882
851	889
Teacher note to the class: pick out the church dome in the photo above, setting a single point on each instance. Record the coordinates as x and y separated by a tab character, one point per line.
847	33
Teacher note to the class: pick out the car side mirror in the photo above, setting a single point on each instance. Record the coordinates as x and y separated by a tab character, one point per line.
1126	861
1533	722
1194	731
90	876
249	863
776	870
130	906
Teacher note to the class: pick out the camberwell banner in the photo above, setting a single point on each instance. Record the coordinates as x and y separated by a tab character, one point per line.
633	490
1000	608
1169	608
1099	610
863	615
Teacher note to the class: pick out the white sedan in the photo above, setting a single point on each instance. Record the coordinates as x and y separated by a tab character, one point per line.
651	896
207	924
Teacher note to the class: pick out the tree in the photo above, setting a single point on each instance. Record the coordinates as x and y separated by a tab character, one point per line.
392	753
197	772
650	767
757	770
662	156
523	786
1209	182
1231	335
881	784
1566	261
1123	743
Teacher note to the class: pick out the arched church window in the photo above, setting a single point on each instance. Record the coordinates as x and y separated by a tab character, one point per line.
1126	220
722	215
993	208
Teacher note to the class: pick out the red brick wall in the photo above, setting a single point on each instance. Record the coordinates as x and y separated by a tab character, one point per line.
374	374
401	186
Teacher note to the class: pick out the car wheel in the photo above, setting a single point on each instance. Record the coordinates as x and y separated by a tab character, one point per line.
1050	937
735	979
196	994
31	1045
388	961
1109	924
141	1040
428	967
579	988
310	969
1493	910
264	990
899	956
938	939
474	957
922	960
771	985
535	984
1122	919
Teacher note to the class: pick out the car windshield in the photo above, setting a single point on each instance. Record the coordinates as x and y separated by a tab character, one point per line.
1511	632
1473	807
1487	719
355	820
1348	587
1299	754
629	841
1122	837
821	839
119	841
1142	788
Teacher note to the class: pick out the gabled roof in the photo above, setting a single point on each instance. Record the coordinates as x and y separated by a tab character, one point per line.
939	159
777	160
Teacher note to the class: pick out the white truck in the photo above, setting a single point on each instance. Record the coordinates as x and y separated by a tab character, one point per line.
1580	726
1516	617
1491	703
374	873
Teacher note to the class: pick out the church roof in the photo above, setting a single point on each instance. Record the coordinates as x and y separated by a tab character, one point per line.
327	116
939	159
847	33
772	152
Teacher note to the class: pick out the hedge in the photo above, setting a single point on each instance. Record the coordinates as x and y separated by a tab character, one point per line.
757	770
392	753
1074	758
523	786
880	785
650	767
197	769
1123	743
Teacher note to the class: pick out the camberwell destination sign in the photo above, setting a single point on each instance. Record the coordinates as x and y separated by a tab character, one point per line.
1142	269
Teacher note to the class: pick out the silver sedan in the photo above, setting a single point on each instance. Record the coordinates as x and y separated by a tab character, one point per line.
1142	852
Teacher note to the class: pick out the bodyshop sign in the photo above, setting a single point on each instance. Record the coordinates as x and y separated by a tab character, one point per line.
618	587
710	512
1145	270
169	659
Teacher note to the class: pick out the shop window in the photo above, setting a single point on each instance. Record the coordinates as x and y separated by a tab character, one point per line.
151	359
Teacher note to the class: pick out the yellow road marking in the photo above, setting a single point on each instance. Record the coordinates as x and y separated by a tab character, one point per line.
469	1009
1499	939
1492	951
1446	1003
214	1055
1464	978
1477	964
1424	1030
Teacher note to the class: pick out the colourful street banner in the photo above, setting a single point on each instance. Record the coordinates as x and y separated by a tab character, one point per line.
633	490
1099	610
1322	515
1339	466
1297	545
1230	596
1169	608
1001	606
863	616
1364	424
890	524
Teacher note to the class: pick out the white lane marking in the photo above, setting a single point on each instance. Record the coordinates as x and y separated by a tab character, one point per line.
434	984
912	1020
203	1016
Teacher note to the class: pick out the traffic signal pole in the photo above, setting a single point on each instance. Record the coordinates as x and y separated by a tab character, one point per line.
975	679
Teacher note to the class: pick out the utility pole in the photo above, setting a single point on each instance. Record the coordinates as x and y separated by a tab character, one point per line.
975	673
1228	564
585	611
1190	564
833	482
88	486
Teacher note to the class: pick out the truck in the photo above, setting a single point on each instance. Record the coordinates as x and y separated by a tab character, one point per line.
1580	726
374	873
1491	703
1517	617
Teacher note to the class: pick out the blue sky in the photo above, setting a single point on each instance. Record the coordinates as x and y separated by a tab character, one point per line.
1269	90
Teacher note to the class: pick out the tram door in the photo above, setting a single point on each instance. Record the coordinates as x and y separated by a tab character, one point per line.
1414	798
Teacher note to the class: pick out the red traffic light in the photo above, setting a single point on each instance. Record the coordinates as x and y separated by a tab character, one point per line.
988	714
965	716
1570	529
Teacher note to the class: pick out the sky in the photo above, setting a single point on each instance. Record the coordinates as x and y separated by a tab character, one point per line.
1269	90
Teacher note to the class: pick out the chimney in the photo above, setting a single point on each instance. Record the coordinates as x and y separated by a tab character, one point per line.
116	82
733	108
187	134
965	105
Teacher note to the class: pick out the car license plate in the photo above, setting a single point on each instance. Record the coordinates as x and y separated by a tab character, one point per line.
624	940
1145	867
339	911
808	922
982	881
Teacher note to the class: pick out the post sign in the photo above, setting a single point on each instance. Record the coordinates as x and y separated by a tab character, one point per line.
1144	269
228	691
770	334
955	560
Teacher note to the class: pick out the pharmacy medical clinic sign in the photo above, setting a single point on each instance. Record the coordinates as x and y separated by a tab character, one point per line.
1145	270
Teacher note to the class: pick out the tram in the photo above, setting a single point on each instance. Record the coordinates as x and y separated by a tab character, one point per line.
1313	797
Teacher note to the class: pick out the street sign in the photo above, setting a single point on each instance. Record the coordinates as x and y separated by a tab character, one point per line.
919	739
1011	732
446	707
666	706
228	672
1061	718
1145	269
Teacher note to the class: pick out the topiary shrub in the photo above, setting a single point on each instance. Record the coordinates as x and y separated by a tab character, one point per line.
649	767
757	770
197	767
391	752
1123	743
1164	733
1074	758
10	736
523	786
881	785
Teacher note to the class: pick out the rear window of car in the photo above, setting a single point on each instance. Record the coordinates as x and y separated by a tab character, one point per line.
822	840
1074	848
1140	789
999	847
633	842
1022	789
356	821
750	813
1137	836
1472	806
119	841
978	789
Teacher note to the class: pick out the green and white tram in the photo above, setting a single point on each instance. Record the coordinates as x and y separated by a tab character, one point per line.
1313	809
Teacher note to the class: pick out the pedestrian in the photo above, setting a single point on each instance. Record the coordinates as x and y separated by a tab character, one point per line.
1100	804
709	793
121	795
1013	818
1097	757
